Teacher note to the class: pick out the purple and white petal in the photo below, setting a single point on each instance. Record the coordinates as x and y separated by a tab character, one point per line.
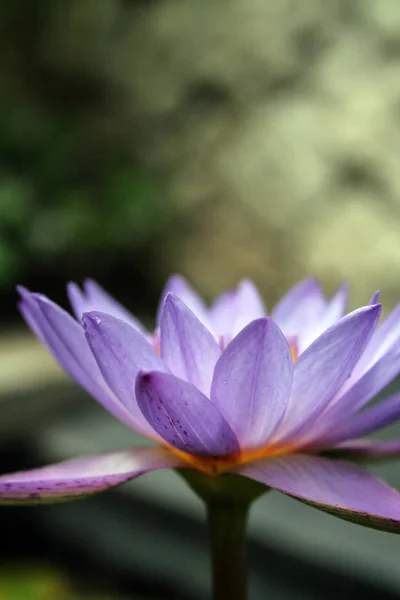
180	287
121	352
222	312
183	416
65	339
95	298
301	308
362	391
323	368
249	306
252	382
368	421
341	489
84	476
335	309
77	299
187	348
385	339
365	450
26	312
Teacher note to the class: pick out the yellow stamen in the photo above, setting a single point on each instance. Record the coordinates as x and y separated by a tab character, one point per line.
294	352
215	465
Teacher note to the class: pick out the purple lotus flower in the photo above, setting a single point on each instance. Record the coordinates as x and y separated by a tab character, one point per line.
226	389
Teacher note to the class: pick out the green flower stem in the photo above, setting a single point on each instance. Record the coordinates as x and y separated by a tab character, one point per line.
227	525
228	498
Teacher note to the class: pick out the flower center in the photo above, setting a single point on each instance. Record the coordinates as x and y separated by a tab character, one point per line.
216	465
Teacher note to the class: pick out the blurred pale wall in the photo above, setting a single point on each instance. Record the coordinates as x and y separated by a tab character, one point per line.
275	125
286	136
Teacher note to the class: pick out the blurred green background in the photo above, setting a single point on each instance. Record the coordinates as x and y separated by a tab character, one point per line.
38	583
75	196
216	138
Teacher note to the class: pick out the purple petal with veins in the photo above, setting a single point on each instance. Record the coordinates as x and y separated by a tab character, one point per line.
252	382
95	298
65	339
188	349
183	416
83	476
341	489
121	352
180	287
323	367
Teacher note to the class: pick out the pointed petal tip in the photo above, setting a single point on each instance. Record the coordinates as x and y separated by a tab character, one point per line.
187	346
41	299
171	303
73	288
172	298
77	300
342	289
184	290
87	282
264	325
23	292
375	297
246	282
373	310
377	306
312	282
91	317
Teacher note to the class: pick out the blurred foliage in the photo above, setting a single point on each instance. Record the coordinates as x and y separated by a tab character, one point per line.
35	583
68	188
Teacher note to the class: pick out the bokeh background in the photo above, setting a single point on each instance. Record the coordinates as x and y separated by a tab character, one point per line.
219	139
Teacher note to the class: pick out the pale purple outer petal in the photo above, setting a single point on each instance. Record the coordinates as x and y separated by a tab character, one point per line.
180	287
222	312
32	323
323	368
65	339
252	382
377	367
183	416
121	352
95	298
235	309
249	306
83	476
371	419
77	299
341	489
300	308
366	450
335	309
385	338
188	349
362	390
